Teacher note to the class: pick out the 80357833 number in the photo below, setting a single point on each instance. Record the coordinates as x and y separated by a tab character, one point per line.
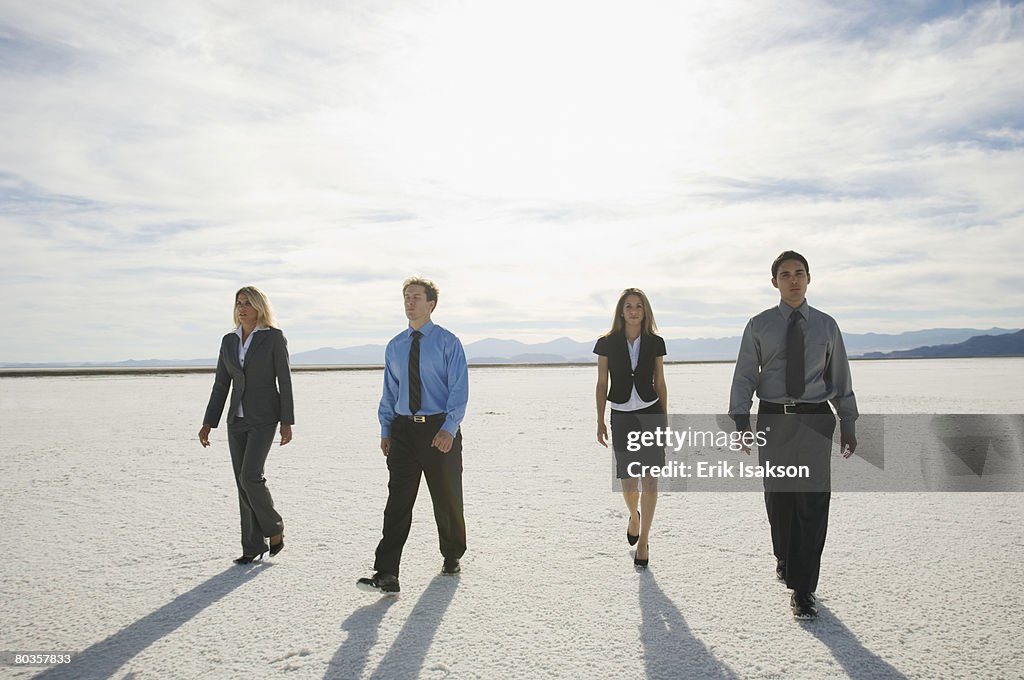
8	658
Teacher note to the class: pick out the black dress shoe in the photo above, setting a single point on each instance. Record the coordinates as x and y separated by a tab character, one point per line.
382	584
248	559
277	547
643	563
804	605
780	569
451	566
630	537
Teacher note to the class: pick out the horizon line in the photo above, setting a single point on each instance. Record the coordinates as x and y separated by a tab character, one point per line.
71	371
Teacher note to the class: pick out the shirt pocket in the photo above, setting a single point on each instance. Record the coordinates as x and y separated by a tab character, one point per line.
816	355
771	350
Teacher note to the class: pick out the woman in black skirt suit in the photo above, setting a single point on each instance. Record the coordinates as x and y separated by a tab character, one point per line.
631	353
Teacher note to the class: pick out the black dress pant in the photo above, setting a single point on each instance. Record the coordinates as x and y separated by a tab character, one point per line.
798	509
411	456
250	445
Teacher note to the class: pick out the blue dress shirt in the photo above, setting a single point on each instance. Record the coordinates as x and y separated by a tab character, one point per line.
444	374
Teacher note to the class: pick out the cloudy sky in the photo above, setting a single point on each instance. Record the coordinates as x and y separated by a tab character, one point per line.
532	157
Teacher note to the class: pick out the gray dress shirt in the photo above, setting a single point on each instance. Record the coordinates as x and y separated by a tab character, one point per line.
761	364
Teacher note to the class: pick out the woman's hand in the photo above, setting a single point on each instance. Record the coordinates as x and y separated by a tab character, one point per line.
286	434
602	434
204	435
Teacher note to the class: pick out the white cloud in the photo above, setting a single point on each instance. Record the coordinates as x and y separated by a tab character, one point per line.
533	157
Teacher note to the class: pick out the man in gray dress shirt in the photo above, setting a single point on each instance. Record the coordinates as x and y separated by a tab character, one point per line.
792	356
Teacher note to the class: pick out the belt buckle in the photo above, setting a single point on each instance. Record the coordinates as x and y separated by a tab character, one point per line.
786	407
419	419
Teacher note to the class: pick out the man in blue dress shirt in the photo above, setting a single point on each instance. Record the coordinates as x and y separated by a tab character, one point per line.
426	389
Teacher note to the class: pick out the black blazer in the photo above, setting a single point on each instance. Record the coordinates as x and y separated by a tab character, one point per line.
623	377
256	385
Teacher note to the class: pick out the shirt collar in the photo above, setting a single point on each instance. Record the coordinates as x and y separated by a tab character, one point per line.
425	329
238	331
786	310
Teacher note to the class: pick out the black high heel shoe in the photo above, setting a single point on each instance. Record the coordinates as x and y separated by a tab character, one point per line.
277	547
643	563
630	537
249	559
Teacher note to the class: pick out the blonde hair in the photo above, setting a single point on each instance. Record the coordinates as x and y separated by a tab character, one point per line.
260	302
648	327
429	286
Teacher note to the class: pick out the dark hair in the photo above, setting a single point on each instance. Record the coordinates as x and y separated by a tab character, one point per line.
789	255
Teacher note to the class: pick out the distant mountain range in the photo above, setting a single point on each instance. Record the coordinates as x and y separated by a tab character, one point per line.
1004	345
934	342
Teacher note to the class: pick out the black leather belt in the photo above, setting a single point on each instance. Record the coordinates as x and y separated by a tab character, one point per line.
432	418
793	407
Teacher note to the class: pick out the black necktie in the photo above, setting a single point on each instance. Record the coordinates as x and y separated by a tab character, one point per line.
415	383
794	357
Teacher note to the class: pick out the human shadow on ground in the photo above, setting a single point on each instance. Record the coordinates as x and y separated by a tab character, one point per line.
670	648
104	658
404	659
362	627
857	661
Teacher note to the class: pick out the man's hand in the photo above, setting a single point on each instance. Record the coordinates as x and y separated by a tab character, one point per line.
443	441
847	444
286	434
602	434
204	435
385	445
744	446
743	427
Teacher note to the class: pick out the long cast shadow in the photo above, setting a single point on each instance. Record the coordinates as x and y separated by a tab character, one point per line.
104	658
362	626
404	658
858	661
670	648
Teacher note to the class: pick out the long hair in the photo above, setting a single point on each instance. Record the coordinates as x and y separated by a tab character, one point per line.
648	325
260	302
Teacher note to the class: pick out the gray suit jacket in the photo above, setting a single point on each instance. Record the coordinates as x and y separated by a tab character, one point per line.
256	385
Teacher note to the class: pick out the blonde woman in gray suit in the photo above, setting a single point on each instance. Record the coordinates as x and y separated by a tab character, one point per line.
253	361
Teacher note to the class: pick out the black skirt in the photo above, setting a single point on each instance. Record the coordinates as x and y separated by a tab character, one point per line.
625	422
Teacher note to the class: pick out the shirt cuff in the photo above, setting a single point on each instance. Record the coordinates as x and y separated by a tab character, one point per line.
450	426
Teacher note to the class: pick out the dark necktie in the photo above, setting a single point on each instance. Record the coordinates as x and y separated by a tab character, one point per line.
795	357
415	382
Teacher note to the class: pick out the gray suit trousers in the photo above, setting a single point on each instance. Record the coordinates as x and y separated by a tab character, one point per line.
250	445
